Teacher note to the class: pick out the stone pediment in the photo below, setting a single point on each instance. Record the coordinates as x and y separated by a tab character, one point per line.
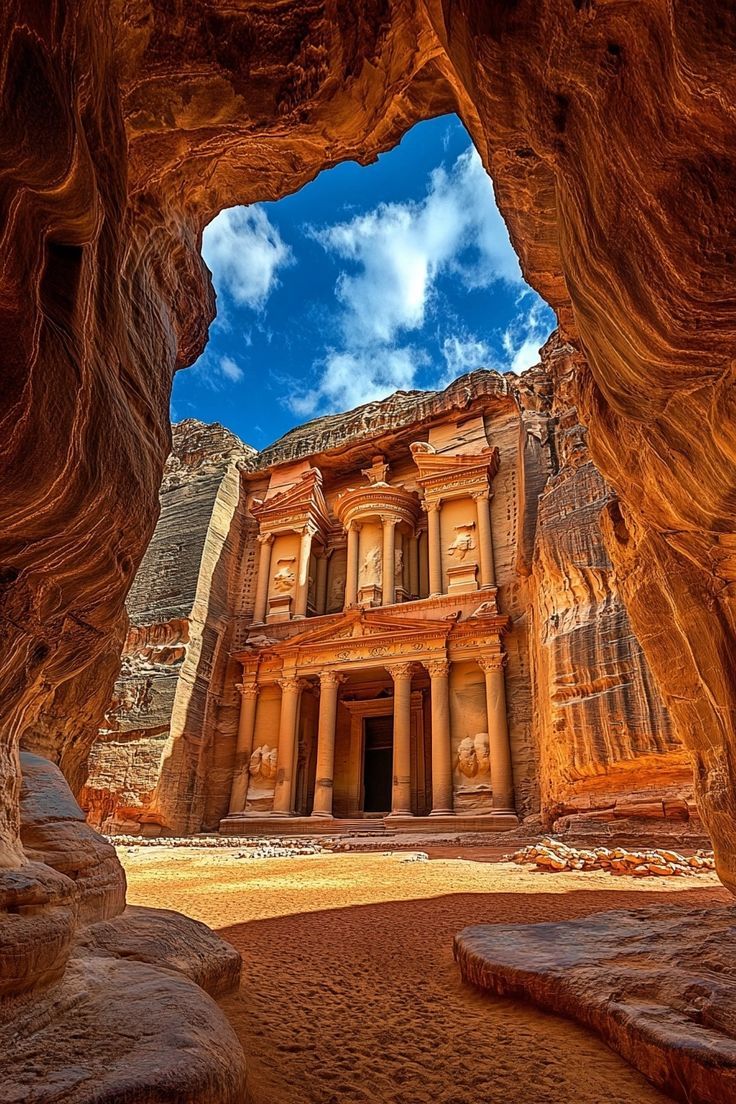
357	625
298	505
440	472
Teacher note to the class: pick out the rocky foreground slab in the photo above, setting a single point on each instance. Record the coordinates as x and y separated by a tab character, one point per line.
659	985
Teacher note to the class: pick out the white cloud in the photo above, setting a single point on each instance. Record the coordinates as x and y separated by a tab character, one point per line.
464	353
217	371
527	332
230	369
398	251
244	252
349	379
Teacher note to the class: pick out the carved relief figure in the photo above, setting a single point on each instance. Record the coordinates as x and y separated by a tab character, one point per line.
473	762
398	562
262	771
463	542
284	578
371	572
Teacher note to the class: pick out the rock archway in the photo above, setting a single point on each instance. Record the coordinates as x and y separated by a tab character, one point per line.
608	130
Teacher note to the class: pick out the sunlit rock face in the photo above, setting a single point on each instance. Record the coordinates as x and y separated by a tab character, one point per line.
608	130
624	229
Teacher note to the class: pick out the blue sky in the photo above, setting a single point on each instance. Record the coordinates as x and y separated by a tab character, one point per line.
370	279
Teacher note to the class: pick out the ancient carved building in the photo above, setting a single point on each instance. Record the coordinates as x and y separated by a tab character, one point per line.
398	612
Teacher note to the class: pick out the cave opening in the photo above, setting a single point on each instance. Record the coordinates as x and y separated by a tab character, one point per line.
397	275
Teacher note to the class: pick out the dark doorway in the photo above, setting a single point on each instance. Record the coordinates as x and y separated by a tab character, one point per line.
378	764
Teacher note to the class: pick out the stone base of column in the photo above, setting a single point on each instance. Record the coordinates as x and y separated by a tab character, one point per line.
442	812
322	816
398	815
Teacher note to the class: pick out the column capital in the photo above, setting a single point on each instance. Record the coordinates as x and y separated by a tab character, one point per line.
265	538
486	493
492	662
248	689
432	506
399	671
290	683
331	678
437	668
353	526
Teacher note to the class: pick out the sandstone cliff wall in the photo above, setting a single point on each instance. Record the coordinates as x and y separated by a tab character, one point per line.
609	757
172	669
127	126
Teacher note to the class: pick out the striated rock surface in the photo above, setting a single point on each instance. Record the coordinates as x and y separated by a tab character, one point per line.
608	130
116	1029
99	1003
160	937
254	106
178	640
610	759
658	985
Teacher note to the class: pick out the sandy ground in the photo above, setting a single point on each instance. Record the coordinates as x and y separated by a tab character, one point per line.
350	994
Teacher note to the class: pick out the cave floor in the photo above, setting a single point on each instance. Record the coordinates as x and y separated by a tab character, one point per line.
350	994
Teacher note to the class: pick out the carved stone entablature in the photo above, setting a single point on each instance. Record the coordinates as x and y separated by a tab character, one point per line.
377	501
446	475
300	507
363	637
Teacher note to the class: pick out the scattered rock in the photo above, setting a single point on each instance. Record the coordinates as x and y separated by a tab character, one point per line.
552	854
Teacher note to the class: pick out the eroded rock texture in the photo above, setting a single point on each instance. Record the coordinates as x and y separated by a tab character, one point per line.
100	1002
610	760
139	124
608	130
177	649
657	984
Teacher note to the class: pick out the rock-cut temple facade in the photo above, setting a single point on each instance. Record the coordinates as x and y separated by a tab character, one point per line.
404	614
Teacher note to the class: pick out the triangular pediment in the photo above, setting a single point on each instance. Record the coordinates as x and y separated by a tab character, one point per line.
303	499
362	624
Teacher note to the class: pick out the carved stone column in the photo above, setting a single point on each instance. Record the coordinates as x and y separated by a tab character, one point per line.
388	564
422	549
414	565
291	689
264	573
302	578
329	688
320	599
401	790
502	778
435	549
244	746
485	539
351	580
442	803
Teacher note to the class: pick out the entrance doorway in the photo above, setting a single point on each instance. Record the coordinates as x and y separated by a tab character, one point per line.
377	764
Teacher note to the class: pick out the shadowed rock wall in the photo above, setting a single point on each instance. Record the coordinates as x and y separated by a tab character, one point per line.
609	132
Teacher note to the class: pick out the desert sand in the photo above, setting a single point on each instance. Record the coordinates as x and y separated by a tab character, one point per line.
350	994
